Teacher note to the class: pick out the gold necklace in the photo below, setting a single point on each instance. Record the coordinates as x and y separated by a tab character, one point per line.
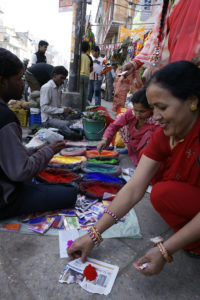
173	142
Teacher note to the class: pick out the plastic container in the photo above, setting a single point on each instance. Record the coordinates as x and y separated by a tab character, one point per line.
93	129
22	116
35	119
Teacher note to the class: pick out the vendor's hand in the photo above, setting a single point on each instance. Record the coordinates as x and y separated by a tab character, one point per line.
101	145
129	67
155	262
80	248
57	146
40	146
68	110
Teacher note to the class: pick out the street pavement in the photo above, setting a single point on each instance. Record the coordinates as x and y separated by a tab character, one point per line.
30	265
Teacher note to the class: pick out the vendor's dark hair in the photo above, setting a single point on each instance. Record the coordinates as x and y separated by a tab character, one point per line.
42	43
85	46
10	64
59	70
140	97
181	79
96	48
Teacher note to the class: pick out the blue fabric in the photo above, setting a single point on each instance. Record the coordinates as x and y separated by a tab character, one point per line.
103	177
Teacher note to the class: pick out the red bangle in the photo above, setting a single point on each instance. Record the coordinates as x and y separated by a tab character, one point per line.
158	242
164	252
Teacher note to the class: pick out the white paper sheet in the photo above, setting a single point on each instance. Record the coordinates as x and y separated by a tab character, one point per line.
64	237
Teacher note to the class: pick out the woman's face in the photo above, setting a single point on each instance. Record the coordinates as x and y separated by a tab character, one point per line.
173	114
141	112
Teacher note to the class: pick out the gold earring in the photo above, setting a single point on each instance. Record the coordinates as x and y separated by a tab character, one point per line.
193	107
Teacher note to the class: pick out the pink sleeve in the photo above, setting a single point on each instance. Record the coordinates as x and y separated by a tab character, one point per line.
114	127
144	56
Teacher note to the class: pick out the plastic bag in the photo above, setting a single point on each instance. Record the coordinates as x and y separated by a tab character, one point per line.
49	136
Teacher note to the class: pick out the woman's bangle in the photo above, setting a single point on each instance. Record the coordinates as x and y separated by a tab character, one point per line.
95	235
158	242
168	257
106	211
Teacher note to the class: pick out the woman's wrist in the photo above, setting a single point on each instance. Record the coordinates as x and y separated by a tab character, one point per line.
135	64
167	255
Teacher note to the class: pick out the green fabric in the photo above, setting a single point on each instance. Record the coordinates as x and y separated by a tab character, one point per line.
106	161
128	229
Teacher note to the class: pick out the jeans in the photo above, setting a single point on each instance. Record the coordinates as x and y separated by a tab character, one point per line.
95	88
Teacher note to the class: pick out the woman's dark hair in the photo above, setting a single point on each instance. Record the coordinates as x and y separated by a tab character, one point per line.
181	79
162	20
10	64
140	97
85	46
59	70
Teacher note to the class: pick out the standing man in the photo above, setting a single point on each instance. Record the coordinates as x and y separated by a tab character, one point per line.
52	112
95	76
39	56
85	70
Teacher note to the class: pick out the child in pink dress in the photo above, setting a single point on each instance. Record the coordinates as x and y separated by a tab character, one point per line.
135	125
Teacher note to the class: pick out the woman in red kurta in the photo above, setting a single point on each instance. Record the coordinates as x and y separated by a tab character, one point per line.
176	186
172	160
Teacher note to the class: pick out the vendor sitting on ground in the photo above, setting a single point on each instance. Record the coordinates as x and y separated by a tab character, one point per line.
170	159
136	127
18	165
52	112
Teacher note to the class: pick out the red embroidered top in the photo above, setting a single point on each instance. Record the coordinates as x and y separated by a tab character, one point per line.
180	163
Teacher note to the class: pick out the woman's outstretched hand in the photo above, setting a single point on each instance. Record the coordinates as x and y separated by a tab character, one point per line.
153	260
101	145
129	68
80	248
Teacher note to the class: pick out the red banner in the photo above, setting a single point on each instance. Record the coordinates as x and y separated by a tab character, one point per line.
65	5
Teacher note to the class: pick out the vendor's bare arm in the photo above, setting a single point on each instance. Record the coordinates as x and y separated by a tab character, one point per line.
131	193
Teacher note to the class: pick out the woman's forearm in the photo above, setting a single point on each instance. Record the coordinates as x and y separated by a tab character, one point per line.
186	235
131	193
122	203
